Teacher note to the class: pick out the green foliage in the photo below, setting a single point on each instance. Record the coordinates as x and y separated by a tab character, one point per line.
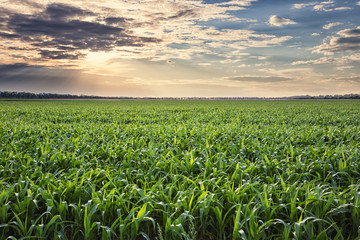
179	169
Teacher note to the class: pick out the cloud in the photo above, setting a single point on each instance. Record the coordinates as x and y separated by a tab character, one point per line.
9	35
331	60
342	8
57	31
61	55
133	29
117	20
303	5
297	73
349	78
331	25
262	58
343	68
325	6
277	21
348	40
328	7
184	13
358	3
350	32
323	60
315	34
59	28
204	64
62	12
258	79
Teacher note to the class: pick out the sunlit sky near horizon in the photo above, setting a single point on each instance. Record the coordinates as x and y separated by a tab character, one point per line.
210	48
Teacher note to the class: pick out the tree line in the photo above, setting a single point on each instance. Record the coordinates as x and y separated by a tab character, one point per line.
29	95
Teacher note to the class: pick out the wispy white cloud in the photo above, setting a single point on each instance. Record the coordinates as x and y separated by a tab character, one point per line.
262	79
323	60
354	78
277	21
317	6
262	58
331	25
342	8
325	6
331	60
343	68
329	7
294	73
303	5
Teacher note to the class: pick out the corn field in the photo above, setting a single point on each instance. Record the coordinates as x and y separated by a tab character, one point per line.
179	169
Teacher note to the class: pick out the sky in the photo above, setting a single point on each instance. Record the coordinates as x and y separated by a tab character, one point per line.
180	48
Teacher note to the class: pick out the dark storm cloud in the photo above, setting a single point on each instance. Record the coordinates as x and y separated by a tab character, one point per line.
259	79
9	35
351	32
28	3
62	11
159	18
55	28
349	40
341	44
4	16
2	20
72	30
184	13
117	20
60	55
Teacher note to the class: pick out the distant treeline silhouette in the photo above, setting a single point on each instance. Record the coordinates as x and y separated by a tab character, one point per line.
29	95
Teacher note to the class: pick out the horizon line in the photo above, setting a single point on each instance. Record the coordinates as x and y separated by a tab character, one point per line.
44	95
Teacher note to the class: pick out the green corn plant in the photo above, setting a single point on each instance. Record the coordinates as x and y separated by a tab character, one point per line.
195	169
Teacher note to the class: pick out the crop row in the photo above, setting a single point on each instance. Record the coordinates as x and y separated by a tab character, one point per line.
179	169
